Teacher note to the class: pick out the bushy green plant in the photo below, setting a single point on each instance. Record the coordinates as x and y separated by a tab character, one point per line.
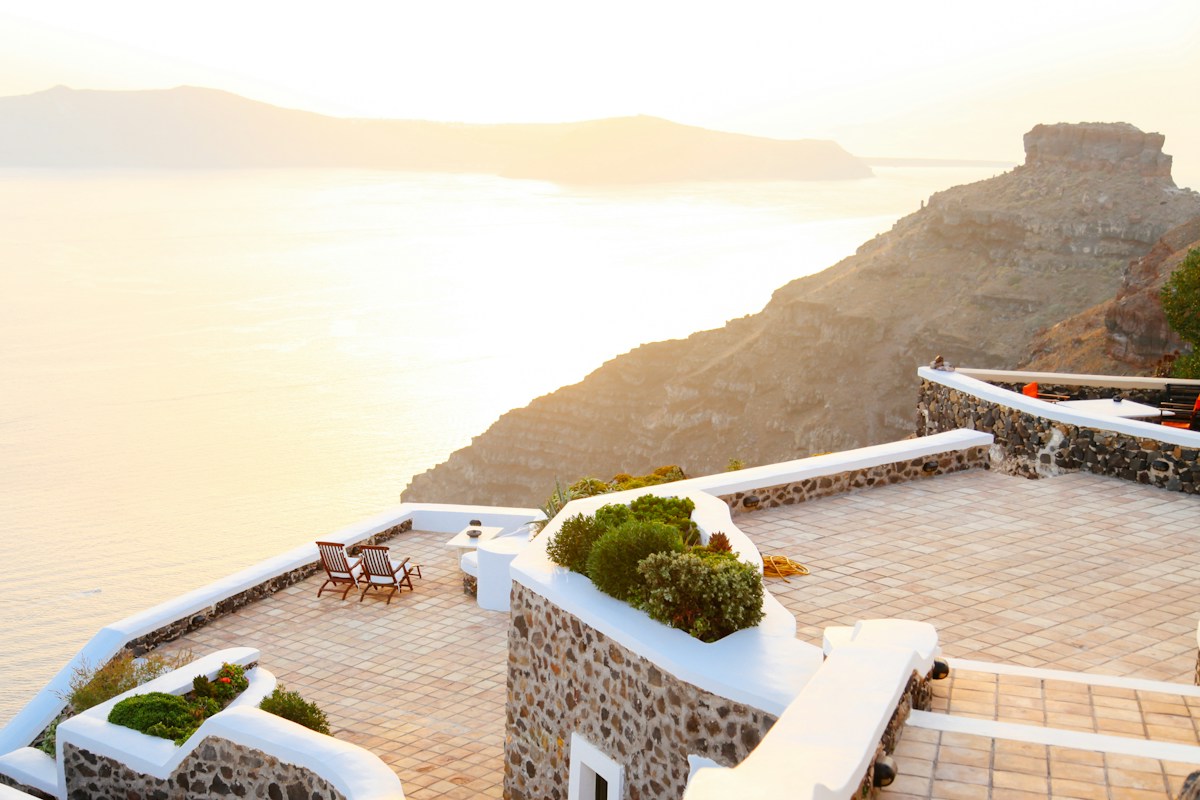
734	464
48	744
159	714
613	563
1180	297
673	511
572	544
91	685
709	595
613	516
290	705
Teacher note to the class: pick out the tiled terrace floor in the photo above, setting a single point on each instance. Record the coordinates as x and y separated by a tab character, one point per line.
420	682
1077	573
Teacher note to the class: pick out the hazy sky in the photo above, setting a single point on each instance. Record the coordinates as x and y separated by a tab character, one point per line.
955	79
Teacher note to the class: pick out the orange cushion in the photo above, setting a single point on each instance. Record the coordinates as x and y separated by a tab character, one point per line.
1030	389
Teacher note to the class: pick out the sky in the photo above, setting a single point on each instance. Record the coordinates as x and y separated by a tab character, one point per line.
917	79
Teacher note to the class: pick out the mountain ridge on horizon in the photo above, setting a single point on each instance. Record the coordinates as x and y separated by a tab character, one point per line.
190	126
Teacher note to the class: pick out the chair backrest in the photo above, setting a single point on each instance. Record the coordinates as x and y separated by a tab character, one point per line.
375	561
333	559
1030	390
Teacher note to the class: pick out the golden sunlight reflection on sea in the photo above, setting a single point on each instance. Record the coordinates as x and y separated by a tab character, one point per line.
203	369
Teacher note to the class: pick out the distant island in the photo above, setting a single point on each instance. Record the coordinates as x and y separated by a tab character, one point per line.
190	127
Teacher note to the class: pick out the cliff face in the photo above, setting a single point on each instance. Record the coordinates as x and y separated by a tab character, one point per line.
1127	334
829	363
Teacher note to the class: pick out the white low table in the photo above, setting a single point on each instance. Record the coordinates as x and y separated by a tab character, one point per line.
468	542
1125	409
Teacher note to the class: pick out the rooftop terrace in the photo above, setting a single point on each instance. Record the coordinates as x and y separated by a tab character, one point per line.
1078	572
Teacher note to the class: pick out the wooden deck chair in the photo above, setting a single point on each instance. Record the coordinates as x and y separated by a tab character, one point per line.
339	570
380	572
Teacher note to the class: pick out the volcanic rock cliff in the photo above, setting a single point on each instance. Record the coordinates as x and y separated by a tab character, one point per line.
1127	334
829	363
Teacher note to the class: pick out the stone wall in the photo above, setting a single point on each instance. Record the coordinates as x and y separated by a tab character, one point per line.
1037	447
565	677
882	475
216	768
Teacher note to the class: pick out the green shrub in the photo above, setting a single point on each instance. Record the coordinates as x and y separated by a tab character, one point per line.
673	511
48	744
1180	296
159	714
613	516
613	562
573	542
290	705
91	685
709	595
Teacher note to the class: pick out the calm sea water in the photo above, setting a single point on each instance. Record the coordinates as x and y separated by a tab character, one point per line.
203	369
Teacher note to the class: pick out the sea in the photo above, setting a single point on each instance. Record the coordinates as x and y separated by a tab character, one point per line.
201	369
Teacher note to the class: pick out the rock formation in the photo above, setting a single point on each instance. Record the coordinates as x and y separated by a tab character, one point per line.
829	363
1127	334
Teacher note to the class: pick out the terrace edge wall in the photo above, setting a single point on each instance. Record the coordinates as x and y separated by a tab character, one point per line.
566	677
216	768
1034	446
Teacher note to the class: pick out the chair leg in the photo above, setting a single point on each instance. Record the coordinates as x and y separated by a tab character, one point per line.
349	586
323	585
392	593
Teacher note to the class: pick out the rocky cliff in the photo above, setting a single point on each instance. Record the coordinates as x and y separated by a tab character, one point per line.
829	362
1127	334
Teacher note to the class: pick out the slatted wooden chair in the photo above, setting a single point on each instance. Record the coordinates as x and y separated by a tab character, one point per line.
380	572
339	570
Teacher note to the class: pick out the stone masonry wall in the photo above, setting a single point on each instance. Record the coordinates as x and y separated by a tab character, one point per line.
1037	447
565	677
897	472
216	768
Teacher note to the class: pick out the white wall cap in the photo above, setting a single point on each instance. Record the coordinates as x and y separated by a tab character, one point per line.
353	771
920	637
751	478
1059	413
1073	378
823	743
9	793
31	767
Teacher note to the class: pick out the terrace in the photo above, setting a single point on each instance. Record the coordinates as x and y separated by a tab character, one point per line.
1061	605
992	561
